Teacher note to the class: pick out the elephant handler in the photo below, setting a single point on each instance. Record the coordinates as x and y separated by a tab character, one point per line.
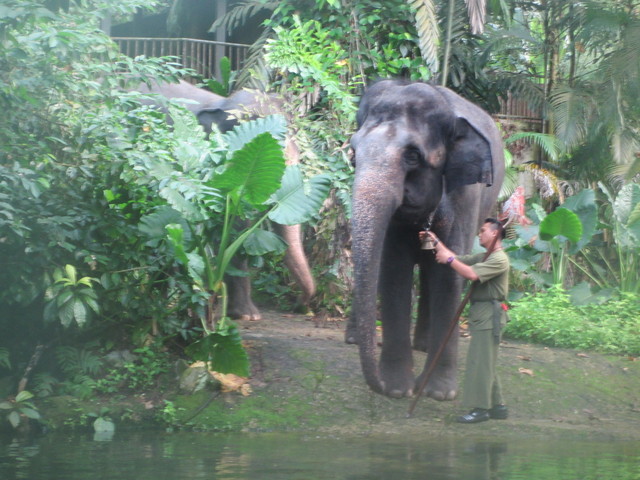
487	316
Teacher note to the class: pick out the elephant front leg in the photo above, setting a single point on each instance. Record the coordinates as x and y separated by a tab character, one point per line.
421	329
396	359
444	298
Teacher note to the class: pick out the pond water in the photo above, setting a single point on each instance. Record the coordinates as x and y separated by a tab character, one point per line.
266	456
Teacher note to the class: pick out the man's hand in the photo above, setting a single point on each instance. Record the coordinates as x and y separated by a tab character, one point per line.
442	252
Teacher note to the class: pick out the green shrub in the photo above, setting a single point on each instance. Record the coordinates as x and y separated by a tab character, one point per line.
549	318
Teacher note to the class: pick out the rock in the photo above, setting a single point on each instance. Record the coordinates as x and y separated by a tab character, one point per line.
196	377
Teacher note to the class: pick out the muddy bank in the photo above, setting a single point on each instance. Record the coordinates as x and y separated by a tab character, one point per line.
304	377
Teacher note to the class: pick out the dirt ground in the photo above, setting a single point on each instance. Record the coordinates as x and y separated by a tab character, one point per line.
304	377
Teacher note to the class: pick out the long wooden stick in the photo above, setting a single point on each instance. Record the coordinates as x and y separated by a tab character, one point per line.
452	327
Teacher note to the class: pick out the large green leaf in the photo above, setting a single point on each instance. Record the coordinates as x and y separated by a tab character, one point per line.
581	294
154	225
561	222
262	241
254	172
298	200
175	234
583	204
245	132
626	204
224	350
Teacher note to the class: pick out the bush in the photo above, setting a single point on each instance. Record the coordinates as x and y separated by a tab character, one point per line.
551	319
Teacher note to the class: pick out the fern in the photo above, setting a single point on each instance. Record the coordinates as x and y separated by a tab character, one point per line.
549	143
43	384
75	362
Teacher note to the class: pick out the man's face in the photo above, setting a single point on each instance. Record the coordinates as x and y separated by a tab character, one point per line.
486	235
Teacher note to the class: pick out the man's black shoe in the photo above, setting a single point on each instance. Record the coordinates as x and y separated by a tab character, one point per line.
499	412
476	415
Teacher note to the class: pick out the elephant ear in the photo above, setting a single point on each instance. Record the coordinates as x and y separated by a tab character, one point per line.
469	160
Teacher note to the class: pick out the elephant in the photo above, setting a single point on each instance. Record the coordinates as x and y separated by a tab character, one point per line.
211	109
423	155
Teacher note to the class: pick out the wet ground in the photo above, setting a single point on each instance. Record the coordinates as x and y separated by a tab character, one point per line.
305	377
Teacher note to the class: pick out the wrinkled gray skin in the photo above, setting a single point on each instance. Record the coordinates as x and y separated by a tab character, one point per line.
421	152
210	109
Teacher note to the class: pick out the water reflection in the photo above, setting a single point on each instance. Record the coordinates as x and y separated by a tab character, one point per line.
154	455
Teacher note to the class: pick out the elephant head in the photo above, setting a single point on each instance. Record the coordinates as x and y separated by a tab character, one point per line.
421	154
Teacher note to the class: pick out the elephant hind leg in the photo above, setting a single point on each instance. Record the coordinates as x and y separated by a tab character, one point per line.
240	305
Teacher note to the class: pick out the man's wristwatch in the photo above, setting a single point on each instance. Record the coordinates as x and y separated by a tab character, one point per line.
450	260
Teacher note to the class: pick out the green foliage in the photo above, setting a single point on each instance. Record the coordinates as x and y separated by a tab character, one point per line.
308	51
551	319
102	202
19	408
81	367
170	413
622	218
70	298
225	86
372	45
559	234
135	376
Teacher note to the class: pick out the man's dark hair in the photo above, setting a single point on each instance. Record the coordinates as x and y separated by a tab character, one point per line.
496	225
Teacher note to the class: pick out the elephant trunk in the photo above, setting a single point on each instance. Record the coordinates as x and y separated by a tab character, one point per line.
376	196
297	263
295	258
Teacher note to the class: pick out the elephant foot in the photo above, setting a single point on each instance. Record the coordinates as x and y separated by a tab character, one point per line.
250	313
439	387
351	333
441	396
398	380
250	317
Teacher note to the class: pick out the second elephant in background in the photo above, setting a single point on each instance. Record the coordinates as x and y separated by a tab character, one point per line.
211	109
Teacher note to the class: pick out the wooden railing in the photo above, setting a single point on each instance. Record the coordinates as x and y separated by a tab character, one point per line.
516	109
203	56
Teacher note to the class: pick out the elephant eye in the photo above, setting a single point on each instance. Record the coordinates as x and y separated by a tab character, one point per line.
412	157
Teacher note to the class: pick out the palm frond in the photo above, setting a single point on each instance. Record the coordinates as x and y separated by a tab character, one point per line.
572	110
477	15
240	13
255	73
548	143
624	147
428	31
